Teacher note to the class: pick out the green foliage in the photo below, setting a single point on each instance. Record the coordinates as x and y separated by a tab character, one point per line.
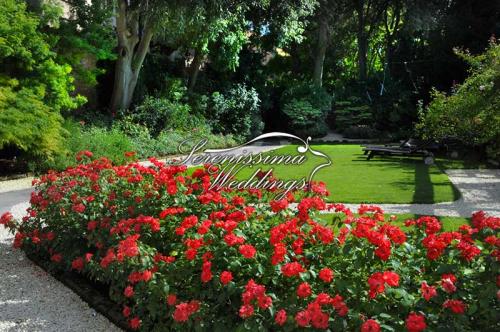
304	119
305	108
352	112
236	112
169	140
86	35
34	87
26	121
318	97
472	112
101	141
168	111
125	136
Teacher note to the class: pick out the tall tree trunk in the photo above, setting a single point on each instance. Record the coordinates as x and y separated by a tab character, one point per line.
362	50
320	53
362	40
195	69
133	46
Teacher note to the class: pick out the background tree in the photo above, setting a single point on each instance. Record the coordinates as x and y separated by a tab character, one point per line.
34	86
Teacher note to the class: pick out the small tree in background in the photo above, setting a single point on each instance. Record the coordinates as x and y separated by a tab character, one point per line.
34	87
472	112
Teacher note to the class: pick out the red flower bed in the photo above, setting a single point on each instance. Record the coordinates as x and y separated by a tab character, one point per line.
179	256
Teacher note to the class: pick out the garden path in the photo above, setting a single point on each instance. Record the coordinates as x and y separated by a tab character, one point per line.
31	300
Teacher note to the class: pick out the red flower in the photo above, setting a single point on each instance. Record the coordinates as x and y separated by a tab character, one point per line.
135	277
303	318
378	280
292	269
264	302
415	322
78	264
280	317
206	273
184	310
304	290
247	250
456	306
226	277
135	323
91	225
278	206
126	311
448	283
171	299
6	219
129	291
319	319
128	247
326	274
129	154
370	326
246	311
56	258
427	291
391	278
78	208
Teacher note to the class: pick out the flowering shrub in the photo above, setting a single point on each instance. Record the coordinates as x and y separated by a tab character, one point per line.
178	256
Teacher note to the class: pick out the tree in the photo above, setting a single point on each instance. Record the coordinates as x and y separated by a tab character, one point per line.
328	16
369	14
472	112
34	87
135	25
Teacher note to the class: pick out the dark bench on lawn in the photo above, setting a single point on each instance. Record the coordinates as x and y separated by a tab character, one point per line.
411	147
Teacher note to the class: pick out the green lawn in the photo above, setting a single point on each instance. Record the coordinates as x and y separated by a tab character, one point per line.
449	223
384	179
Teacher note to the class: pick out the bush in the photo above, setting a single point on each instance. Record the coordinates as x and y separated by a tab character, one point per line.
159	114
236	112
178	256
109	143
351	112
34	88
471	112
305	109
304	119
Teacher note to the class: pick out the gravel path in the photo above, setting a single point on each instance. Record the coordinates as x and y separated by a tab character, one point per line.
32	300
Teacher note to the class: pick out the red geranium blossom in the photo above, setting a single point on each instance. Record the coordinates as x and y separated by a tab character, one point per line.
457	306
247	250
370	326
129	291
292	269
280	317
135	323
326	274
304	290
415	322
226	277
246	311
171	299
427	291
